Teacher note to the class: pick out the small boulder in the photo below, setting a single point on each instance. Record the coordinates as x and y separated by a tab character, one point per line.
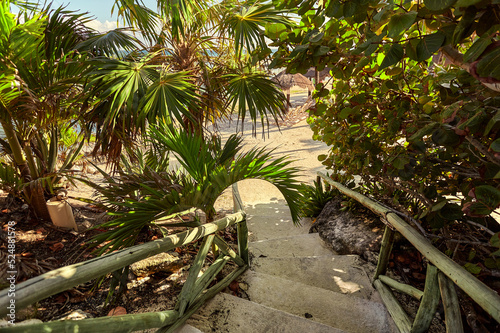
347	233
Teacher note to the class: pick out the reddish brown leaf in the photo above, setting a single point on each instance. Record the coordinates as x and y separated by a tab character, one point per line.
57	247
234	286
118	311
60	299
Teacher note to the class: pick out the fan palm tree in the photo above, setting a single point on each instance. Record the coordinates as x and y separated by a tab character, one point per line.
195	71
156	191
41	90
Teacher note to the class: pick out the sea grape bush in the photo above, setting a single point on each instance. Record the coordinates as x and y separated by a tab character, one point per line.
413	105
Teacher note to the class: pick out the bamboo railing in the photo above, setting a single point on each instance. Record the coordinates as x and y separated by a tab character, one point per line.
194	293
441	278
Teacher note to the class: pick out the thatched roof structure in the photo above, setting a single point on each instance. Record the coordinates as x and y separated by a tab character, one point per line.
286	81
311	73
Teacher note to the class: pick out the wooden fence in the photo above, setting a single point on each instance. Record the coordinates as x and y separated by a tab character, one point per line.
442	274
194	293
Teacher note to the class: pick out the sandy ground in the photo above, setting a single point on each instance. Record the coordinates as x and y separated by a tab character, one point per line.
294	141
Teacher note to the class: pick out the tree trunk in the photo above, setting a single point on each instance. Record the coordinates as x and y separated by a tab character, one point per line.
33	190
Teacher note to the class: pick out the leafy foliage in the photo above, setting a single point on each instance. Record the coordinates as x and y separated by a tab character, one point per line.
396	113
156	191
315	197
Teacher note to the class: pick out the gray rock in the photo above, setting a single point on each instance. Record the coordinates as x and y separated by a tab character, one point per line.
347	233
161	262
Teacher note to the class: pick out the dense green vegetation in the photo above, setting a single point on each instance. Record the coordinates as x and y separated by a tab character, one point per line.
413	105
63	84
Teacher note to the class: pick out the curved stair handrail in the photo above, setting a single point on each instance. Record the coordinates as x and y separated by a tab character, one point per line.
439	280
194	293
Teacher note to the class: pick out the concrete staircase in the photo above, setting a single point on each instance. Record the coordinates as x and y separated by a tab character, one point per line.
295	284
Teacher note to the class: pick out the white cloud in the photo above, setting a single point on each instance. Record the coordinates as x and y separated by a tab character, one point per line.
101	26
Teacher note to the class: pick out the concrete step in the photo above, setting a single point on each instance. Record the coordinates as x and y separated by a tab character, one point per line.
351	314
229	314
187	329
338	273
270	222
291	246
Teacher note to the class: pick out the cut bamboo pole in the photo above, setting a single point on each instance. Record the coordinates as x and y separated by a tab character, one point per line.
118	324
430	301
404	288
209	275
202	299
242	230
227	250
385	252
61	279
452	315
367	202
398	314
478	291
237	202
186	296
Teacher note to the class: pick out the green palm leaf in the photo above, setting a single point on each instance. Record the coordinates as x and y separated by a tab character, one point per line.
208	168
246	24
114	43
170	96
256	94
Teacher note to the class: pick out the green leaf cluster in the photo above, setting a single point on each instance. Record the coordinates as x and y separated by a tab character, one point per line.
411	107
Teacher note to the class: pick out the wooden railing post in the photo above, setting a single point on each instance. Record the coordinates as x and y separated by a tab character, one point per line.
452	316
385	252
241	228
429	303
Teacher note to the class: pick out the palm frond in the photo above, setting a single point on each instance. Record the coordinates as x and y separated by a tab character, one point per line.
208	168
256	94
246	23
135	14
114	43
170	96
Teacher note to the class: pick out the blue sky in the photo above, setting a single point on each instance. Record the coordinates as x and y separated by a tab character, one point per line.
100	9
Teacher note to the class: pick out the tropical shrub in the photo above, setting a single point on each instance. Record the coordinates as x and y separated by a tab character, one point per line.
397	113
315	197
157	191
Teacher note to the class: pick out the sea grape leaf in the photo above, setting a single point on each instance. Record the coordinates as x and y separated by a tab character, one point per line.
445	137
400	23
495	240
495	145
333	8
316	37
437	5
489	66
472	268
477	49
429	45
463	27
275	29
493	123
451	212
393	56
466	3
488	195
426	130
